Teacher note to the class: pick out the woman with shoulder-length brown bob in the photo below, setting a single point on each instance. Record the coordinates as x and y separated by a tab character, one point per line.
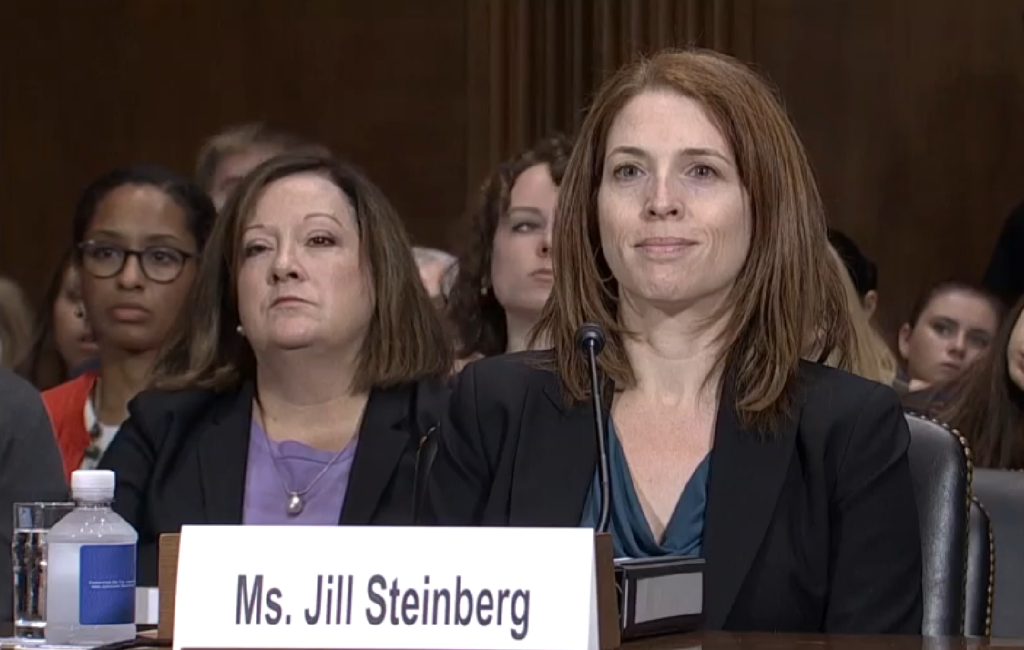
691	232
310	368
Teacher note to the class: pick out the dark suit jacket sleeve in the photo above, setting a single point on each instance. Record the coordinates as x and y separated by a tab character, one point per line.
30	466
460	480
875	539
131	455
1005	274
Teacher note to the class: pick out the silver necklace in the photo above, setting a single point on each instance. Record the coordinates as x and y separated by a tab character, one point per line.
296	501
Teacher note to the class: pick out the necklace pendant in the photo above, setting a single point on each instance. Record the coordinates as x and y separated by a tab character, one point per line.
295	504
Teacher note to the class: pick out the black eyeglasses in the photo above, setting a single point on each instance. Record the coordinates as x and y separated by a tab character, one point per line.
162	264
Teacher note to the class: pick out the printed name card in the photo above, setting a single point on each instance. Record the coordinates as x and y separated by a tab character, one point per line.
377	587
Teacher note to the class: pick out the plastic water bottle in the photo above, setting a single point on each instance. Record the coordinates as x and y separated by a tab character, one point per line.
90	553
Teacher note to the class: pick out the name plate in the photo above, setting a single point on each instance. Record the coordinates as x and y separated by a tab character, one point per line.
385	587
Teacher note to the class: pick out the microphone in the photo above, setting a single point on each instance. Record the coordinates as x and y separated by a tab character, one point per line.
590	341
655	595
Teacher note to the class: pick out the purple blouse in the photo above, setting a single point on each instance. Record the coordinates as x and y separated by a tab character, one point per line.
266	499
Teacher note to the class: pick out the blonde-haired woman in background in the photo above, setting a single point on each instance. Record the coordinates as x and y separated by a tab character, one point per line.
869	356
15	323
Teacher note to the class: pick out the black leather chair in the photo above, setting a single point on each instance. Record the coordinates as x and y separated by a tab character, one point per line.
1002	494
941	468
981	555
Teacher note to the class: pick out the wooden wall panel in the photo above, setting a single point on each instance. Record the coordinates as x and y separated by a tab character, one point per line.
535	64
85	86
910	109
912	114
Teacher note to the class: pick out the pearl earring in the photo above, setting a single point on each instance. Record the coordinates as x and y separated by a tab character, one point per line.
241	332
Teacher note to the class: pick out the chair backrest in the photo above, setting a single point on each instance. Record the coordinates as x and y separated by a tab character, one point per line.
981	556
1002	494
941	471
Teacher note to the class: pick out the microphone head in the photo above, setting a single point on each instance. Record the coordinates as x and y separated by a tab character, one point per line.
590	335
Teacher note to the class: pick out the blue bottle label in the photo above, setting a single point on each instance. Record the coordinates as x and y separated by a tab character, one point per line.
106	588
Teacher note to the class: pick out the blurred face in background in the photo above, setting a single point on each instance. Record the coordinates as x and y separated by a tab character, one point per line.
869	303
434	266
233	168
1015	353
521	275
132	300
301	282
432	274
953	331
71	331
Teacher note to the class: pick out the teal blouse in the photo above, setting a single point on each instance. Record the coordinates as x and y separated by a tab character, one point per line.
631	534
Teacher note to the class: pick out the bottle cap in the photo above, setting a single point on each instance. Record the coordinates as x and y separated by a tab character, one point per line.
92	485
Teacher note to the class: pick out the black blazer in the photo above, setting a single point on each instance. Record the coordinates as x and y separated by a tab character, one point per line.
814	530
181	459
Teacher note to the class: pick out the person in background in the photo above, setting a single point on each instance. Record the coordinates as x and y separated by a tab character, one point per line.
504	273
862	271
986	403
15	324
231	154
63	340
950	327
311	372
448	281
30	466
433	265
870	357
1004	276
690	230
138	232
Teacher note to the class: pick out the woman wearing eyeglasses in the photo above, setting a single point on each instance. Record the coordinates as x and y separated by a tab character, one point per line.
137	232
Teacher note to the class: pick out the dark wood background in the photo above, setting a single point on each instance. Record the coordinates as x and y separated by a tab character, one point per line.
911	109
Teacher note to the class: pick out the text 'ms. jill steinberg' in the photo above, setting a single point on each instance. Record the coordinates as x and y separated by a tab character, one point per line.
333	600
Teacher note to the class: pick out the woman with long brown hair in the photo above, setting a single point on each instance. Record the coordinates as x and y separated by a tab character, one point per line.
308	374
63	343
504	274
986	404
691	232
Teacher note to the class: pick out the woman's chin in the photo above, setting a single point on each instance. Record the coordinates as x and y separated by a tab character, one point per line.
293	344
292	340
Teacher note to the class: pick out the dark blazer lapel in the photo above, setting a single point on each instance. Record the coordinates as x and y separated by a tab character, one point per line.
385	433
223	455
747	471
562	458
